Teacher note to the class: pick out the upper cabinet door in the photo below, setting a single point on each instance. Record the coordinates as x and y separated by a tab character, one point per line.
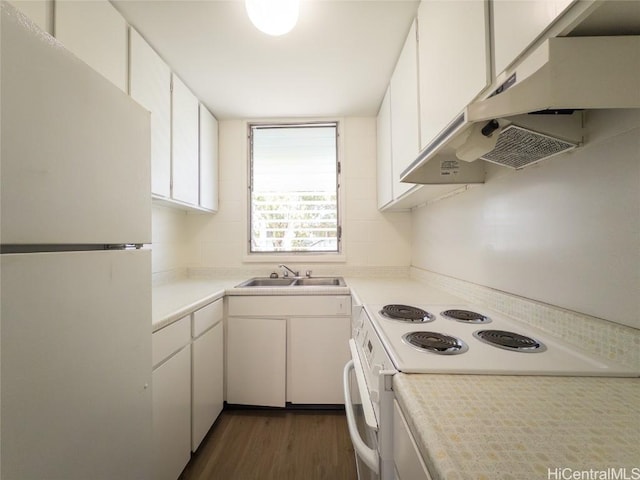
40	11
453	61
517	24
75	149
384	175
97	34
405	130
184	129
150	85
208	160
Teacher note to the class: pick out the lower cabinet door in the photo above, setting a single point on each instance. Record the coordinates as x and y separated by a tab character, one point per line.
256	361
318	349
207	372
406	456
172	416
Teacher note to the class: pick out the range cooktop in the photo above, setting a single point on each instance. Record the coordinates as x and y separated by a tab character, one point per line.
468	339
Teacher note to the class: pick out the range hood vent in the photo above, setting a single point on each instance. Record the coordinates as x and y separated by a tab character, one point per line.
518	147
549	88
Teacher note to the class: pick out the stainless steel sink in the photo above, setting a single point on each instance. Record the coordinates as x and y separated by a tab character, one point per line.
320	282
267	282
294	282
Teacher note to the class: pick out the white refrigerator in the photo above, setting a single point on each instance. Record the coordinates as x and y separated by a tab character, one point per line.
75	272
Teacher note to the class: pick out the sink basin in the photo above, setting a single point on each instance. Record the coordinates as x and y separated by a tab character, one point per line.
267	282
294	282
320	282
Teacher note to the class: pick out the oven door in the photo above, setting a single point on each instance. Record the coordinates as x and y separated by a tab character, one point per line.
361	418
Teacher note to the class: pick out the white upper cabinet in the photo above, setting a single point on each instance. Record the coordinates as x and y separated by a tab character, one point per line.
208	160
40	11
384	175
453	58
517	24
184	151
187	170
405	129
66	128
97	34
150	84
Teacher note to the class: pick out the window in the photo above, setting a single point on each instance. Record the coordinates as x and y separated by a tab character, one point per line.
294	188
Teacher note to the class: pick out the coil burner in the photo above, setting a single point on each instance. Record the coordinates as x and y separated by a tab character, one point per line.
406	313
434	342
510	341
465	316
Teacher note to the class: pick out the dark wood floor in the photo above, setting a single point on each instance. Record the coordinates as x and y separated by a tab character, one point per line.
275	445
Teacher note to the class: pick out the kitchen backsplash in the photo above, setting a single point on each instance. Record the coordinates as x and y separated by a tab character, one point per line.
600	337
563	231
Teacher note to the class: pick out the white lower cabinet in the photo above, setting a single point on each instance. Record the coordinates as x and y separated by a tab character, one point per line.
187	386
287	349
207	377
406	456
172	416
256	361
318	348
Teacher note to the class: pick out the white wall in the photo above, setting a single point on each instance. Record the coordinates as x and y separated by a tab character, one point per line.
565	231
370	238
168	236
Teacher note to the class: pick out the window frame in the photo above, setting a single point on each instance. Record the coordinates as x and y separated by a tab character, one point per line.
315	256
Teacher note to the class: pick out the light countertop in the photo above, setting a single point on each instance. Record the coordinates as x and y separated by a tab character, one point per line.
519	427
477	426
511	427
173	300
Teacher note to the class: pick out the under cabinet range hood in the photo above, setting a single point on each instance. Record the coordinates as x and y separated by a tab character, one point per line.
536	110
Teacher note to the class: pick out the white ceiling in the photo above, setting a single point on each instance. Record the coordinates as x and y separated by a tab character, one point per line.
336	62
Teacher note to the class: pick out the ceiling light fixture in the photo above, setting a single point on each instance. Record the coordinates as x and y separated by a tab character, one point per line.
273	17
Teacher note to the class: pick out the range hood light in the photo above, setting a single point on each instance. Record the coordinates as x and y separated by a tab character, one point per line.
273	17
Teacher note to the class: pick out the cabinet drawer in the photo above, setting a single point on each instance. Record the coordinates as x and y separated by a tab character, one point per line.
283	305
170	339
207	317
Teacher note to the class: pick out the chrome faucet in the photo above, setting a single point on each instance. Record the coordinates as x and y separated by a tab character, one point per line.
286	273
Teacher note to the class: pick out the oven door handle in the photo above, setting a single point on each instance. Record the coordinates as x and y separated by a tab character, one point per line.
368	455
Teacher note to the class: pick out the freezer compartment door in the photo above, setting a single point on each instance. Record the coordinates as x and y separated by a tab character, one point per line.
75	149
76	365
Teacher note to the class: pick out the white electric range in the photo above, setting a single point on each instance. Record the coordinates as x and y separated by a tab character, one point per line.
440	339
472	340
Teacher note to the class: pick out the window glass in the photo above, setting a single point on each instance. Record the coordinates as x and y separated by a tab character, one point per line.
294	188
